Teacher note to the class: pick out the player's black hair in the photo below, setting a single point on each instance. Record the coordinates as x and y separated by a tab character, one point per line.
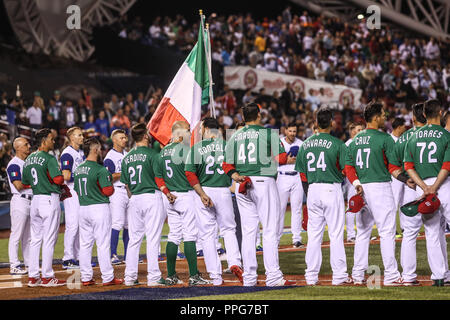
292	124
398	122
445	118
371	110
417	110
138	131
210	123
431	108
324	117
240	125
88	143
250	112
41	135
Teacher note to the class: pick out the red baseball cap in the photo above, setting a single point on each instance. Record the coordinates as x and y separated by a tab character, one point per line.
429	205
355	204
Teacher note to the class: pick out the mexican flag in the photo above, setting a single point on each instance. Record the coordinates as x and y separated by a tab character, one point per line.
186	94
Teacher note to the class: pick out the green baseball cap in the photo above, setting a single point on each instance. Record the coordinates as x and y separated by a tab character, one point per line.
411	209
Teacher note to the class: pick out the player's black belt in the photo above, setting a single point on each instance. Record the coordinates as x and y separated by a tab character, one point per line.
27	196
289	173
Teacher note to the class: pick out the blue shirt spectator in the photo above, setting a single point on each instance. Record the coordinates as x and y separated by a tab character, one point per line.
102	124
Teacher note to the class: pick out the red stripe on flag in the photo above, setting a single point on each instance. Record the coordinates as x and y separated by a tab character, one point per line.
160	125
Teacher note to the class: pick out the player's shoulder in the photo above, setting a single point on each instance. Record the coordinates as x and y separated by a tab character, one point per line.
337	141
15	161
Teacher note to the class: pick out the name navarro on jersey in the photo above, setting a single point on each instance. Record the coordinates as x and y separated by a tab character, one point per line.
82	170
428	134
34	160
250	134
211	148
135	157
324	143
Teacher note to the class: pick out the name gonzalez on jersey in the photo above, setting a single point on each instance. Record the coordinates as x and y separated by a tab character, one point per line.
33	159
211	148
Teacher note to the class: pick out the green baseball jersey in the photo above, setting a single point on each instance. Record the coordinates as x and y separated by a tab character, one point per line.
400	145
139	168
322	158
205	160
252	149
370	153
38	170
89	178
428	149
172	163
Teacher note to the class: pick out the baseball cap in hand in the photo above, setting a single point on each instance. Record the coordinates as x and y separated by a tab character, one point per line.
355	203
429	205
411	209
293	151
244	186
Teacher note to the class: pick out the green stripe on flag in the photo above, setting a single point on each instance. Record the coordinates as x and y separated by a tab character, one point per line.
197	62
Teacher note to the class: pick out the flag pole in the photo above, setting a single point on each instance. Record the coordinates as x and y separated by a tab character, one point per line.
208	60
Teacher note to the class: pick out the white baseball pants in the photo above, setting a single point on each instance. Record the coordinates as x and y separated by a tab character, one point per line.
71	234
261	203
119	207
222	215
350	216
382	212
20	230
95	225
44	221
442	194
181	218
326	206
145	218
411	228
398	190
290	187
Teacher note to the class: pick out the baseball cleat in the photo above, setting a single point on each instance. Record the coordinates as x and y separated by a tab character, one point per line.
172	280
160	282
298	244
411	283
312	284
227	271
52	282
438	283
217	282
180	256
345	282
351	240
237	271
259	249
113	282
162	257
373	238
199	253
396	283
132	283
284	283
362	282
398	235
115	260
222	254
88	283
34	282
70	264
17	271
197	280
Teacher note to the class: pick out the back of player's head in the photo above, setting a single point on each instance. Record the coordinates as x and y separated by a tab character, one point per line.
417	109
41	135
398	122
250	112
179	125
371	110
431	108
240	125
138	131
324	117
89	143
210	123
71	131
446	118
116	132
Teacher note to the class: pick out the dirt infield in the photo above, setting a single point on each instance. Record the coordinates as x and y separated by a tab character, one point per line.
15	287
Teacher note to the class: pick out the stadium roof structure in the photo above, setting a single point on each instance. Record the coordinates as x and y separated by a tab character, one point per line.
40	25
428	17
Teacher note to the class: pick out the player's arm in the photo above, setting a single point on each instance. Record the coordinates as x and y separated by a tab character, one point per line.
67	166
105	183
350	171
228	164
395	164
109	164
443	173
16	177
300	168
54	173
190	169
408	163
278	150
26	179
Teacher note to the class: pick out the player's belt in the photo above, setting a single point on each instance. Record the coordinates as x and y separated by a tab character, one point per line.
288	173
119	187
27	196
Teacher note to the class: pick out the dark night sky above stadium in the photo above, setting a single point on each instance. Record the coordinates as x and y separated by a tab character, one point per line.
189	9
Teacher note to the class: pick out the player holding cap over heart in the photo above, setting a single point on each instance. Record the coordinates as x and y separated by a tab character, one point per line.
427	161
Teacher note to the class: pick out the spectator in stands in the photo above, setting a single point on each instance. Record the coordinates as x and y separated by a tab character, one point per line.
87	98
114	103
50	122
432	50
34	114
139	105
90	124
287	96
69	114
123	120
57	98
313	100
102	124
352	80
54	109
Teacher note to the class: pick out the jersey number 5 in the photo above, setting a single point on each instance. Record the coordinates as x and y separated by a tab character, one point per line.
320	162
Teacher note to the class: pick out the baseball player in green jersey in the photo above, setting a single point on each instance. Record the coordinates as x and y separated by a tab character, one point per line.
411	225
367	167
251	157
145	215
42	172
427	161
93	184
320	161
180	210
213	205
